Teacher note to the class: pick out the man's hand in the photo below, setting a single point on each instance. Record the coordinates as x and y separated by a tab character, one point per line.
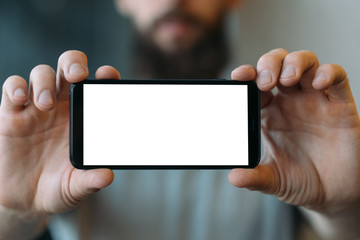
311	133
36	176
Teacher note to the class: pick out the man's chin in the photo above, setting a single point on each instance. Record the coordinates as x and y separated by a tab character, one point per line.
201	54
174	47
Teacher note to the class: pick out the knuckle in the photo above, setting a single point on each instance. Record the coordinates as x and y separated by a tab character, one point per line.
44	67
333	68
264	59
41	69
293	58
339	68
306	52
328	67
280	51
275	55
306	56
72	54
14	80
12	83
333	71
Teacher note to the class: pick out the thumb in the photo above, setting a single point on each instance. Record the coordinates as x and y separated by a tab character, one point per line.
261	178
86	182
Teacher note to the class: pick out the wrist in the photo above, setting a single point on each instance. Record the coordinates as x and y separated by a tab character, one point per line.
338	224
20	225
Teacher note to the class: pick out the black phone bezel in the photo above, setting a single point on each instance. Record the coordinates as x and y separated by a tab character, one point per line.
76	122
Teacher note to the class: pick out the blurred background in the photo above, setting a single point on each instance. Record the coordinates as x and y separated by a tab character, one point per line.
34	32
330	28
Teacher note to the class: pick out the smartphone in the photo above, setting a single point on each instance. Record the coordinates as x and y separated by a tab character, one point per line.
164	124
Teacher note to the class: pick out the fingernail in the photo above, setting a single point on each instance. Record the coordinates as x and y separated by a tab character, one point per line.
264	77
46	98
19	92
288	72
320	79
77	69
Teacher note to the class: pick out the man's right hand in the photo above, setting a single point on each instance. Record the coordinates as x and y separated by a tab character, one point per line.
36	176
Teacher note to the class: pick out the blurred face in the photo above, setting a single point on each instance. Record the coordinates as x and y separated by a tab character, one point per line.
175	25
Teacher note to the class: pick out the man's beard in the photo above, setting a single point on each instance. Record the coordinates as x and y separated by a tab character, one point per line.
205	60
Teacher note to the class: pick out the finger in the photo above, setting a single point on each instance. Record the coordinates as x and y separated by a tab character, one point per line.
248	73
269	67
299	67
43	87
261	179
333	78
107	72
72	68
265	98
244	73
15	94
86	182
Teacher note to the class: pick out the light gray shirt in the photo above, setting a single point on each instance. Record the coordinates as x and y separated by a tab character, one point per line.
175	204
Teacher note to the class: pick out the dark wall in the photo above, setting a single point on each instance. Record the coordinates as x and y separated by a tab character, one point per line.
35	32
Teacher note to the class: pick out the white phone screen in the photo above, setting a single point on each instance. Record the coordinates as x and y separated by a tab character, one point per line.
165	124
